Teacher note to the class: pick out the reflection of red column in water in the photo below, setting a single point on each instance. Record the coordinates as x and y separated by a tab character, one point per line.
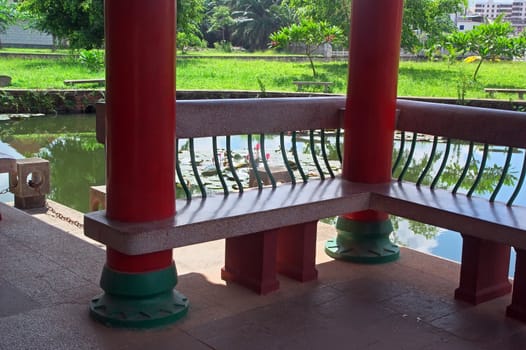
369	125
140	78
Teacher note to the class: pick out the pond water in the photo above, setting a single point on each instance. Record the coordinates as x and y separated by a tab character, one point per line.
77	162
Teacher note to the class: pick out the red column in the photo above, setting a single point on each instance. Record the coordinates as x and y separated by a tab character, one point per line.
369	125
140	124
483	271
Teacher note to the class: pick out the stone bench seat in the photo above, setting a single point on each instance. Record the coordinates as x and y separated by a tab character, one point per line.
520	92
300	84
100	82
217	217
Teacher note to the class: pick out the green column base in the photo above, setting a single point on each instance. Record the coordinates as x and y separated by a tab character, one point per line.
363	242
139	300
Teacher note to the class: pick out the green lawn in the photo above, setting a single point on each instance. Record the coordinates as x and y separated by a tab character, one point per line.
434	79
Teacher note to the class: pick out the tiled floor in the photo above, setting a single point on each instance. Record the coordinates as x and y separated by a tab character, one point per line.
47	277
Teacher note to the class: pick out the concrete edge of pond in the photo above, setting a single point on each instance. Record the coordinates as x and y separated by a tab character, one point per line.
70	101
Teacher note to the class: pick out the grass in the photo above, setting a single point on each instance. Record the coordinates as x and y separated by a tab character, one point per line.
29	50
433	79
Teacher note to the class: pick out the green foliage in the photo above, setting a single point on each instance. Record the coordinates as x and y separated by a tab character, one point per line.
221	20
335	12
491	41
190	14
426	21
256	20
310	34
187	41
7	14
93	60
30	102
80	22
223	45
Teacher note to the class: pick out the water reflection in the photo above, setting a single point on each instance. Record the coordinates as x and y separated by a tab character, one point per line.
76	162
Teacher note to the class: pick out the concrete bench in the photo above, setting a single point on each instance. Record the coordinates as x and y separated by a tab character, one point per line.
491	92
300	84
265	219
100	82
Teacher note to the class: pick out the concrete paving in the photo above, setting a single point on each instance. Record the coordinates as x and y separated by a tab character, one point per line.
48	275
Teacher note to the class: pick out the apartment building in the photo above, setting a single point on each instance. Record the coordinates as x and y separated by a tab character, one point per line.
514	12
491	9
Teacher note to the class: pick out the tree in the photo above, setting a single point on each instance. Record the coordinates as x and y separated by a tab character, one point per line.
190	14
335	12
310	34
489	41
80	22
426	21
256	20
7	15
221	20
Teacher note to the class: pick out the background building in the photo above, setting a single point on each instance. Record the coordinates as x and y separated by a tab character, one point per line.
19	35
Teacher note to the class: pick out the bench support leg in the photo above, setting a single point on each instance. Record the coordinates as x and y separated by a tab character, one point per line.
251	261
517	308
297	251
363	242
484	270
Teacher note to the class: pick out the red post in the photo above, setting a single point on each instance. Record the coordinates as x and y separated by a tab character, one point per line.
484	270
140	109
369	125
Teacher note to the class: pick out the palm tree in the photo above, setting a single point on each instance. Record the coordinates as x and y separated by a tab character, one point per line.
256	20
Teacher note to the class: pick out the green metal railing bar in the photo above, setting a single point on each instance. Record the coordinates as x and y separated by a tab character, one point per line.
465	170
442	165
187	192
314	156
252	162
409	157
481	170
265	162
296	157
197	177
400	152
519	183
218	166
231	164
285	158
502	175
324	153
429	161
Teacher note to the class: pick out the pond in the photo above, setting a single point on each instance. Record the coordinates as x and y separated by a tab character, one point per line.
77	162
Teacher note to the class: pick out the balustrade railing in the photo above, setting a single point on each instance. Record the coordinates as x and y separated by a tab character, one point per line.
436	145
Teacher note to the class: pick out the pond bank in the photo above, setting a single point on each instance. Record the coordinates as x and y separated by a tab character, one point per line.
67	101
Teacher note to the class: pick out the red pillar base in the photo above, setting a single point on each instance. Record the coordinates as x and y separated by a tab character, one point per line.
297	251
517	308
484	270
251	261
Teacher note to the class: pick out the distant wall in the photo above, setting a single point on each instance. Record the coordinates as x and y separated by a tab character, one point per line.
18	36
